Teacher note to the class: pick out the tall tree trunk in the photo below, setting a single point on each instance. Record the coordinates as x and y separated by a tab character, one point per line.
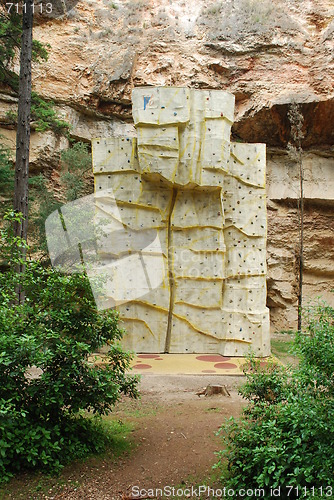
295	152
301	240
23	135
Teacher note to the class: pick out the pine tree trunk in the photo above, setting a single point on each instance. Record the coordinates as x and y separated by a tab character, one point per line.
23	135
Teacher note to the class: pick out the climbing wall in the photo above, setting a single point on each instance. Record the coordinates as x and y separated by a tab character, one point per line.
203	199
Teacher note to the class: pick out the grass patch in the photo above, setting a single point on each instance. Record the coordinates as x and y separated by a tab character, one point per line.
287	332
211	480
140	412
119	432
135	409
281	347
213	410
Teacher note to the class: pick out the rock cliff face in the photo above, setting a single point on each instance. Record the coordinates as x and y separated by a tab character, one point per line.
269	54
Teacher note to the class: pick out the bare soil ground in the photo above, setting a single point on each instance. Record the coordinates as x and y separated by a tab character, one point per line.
173	443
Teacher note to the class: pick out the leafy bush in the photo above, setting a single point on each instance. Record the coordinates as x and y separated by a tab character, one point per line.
317	350
46	377
285	437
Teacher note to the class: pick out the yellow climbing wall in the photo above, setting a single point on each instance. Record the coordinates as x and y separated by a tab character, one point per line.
205	199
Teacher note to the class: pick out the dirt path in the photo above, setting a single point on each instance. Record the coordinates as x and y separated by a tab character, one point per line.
173	440
174	433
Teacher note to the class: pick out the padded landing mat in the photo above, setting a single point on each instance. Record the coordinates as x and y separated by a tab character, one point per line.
191	364
187	364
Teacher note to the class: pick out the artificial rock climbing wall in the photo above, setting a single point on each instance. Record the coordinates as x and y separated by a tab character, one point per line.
205	199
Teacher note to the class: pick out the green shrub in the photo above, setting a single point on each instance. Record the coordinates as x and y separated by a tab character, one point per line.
46	378
317	349
76	179
285	437
45	116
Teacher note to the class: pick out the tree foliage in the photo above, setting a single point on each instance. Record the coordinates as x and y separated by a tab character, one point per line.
10	43
76	171
285	438
47	378
75	180
43	113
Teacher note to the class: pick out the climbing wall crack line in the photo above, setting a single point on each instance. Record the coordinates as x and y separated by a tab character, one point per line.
170	272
